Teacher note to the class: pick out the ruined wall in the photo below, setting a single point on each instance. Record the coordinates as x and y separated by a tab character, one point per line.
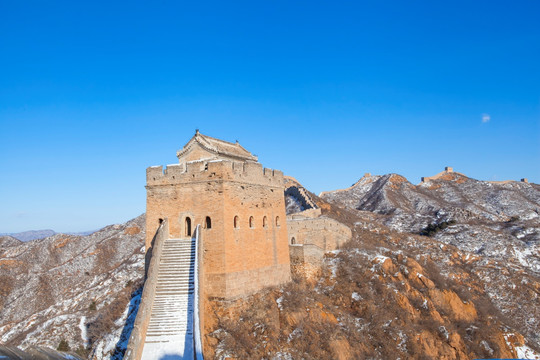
324	232
306	259
237	260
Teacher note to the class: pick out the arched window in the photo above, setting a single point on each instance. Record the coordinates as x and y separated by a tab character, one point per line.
251	222
188	226
265	222
208	222
293	241
277	221
236	222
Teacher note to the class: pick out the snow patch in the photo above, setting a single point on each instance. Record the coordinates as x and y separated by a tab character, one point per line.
523	351
82	326
279	302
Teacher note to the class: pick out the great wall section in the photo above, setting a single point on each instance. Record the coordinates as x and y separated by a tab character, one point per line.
217	228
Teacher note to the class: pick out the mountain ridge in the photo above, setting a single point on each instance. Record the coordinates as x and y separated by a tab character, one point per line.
30	235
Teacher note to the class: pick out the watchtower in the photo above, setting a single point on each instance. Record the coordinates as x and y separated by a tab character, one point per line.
240	207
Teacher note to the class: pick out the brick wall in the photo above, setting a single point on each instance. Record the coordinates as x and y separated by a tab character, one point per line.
237	261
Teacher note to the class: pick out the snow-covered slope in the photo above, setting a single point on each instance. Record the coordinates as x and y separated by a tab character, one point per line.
82	289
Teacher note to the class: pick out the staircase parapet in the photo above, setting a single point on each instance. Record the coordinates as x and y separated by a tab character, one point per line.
197	296
138	334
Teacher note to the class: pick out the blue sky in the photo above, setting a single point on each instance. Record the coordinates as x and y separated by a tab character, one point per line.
92	94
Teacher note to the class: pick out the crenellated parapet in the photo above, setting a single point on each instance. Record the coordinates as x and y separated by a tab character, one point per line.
246	172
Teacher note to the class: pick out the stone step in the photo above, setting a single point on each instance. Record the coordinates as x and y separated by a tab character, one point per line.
175	272
175	285
183	290
167	323
176	279
169	292
171	325
173	289
169	275
172	283
167	315
179	255
172	253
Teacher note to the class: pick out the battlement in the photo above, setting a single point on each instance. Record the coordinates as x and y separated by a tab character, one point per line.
247	172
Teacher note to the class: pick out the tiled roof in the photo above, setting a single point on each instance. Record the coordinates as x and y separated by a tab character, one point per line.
219	147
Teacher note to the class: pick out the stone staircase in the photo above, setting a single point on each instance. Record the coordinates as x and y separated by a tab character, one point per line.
170	330
302	195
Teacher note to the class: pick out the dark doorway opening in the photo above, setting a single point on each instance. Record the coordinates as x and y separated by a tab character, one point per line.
208	222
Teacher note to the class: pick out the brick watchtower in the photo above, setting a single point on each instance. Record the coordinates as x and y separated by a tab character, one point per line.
240	206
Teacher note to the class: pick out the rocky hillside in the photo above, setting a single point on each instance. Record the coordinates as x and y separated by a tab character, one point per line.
495	225
385	295
496	220
452	196
81	290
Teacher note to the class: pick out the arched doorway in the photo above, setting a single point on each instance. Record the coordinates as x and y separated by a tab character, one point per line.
188	226
293	241
208	222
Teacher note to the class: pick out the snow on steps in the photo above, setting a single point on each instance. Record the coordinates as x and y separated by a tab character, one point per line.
170	331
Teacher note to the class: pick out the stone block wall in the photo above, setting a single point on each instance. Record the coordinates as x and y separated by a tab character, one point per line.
324	232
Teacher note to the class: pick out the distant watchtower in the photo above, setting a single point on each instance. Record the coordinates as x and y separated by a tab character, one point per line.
240	207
